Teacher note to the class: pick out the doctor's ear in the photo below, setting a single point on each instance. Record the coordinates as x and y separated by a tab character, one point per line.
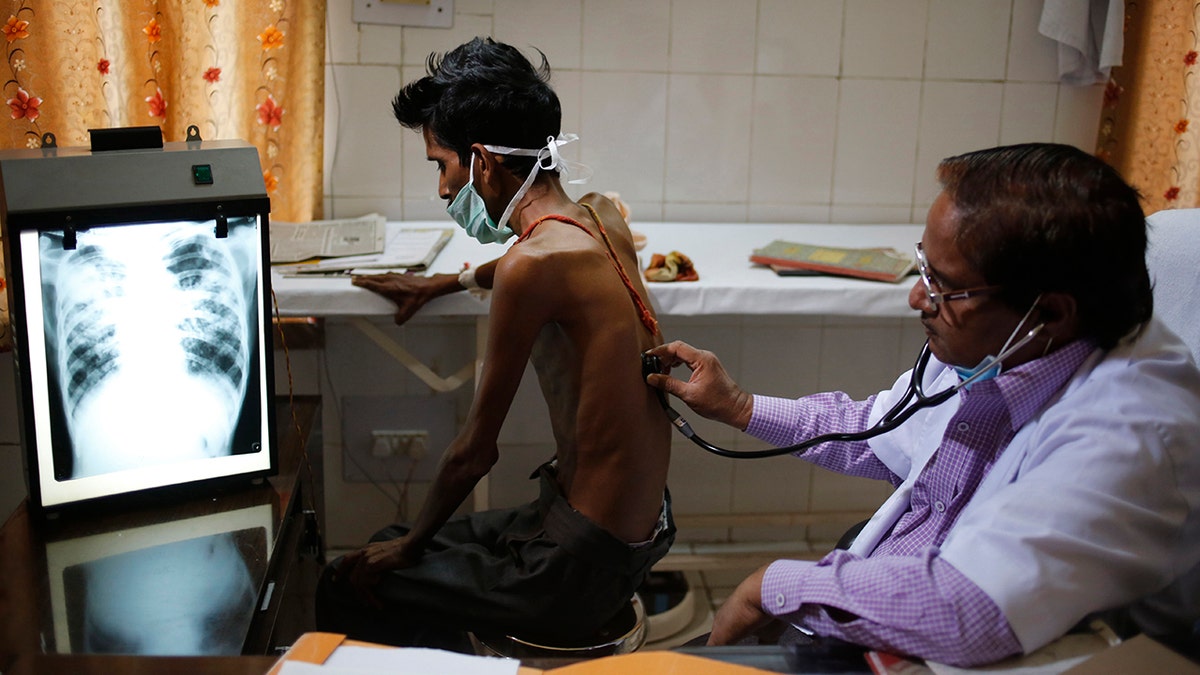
1059	312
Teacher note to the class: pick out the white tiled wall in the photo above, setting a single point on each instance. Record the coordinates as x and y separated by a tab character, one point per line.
726	110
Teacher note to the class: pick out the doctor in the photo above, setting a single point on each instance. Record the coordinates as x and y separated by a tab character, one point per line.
1062	482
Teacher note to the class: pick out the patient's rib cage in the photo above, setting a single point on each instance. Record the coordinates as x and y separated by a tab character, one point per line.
151	328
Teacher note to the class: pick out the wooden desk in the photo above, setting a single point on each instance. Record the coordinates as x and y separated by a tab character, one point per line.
214	575
107	664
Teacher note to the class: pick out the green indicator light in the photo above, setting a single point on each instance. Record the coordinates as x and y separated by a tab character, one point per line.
202	174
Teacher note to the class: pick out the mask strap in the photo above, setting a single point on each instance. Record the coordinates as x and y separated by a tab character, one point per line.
546	152
512	204
550	152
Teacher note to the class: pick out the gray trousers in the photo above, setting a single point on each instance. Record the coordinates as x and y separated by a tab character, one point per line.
541	571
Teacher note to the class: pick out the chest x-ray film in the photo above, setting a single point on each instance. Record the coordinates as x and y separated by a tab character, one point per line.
143	340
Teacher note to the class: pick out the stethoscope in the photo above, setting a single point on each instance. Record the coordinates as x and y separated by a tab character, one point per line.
894	417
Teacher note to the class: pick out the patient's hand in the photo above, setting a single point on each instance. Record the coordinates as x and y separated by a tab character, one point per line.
364	567
410	292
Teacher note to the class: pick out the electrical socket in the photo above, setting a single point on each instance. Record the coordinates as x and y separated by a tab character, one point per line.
408	443
418	446
427	424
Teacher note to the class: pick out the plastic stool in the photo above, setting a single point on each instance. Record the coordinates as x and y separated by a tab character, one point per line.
670	604
624	633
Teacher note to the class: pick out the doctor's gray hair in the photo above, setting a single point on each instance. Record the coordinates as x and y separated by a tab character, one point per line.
1044	217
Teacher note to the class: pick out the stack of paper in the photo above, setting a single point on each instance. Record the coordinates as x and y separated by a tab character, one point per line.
332	654
360	245
297	242
350	660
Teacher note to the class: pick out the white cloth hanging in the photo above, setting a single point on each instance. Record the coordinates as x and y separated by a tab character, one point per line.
1090	36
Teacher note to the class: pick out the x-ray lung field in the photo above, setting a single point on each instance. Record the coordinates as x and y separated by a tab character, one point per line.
151	334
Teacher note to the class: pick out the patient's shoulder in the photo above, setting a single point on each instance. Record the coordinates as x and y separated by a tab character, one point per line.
611	214
535	261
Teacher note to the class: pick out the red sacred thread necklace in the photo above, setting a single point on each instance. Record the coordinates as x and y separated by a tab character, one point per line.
647	318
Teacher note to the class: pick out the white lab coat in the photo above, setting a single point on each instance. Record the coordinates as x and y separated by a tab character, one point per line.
1095	503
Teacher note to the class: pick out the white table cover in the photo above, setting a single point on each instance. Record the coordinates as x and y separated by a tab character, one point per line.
729	283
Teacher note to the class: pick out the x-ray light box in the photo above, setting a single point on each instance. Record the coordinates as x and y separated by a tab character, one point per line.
139	301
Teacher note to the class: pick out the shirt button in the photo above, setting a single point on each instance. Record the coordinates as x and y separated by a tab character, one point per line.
963	426
780	601
939	506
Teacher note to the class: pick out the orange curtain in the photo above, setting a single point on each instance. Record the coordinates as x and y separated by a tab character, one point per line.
1150	125
237	69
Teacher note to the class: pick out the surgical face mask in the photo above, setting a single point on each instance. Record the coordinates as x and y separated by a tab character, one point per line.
991	365
988	368
470	212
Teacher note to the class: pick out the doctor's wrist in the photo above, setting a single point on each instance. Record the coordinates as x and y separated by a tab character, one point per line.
743	409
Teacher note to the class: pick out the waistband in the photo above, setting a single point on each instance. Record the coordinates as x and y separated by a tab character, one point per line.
581	537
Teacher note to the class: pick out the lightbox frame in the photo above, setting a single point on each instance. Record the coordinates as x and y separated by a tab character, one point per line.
41	214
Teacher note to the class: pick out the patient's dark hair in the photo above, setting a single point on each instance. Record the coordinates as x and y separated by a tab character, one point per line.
483	92
1045	217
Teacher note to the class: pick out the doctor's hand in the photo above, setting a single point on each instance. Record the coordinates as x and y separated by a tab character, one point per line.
364	568
409	292
742	613
709	390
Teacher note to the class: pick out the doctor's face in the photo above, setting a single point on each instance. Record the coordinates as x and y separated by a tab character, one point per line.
961	331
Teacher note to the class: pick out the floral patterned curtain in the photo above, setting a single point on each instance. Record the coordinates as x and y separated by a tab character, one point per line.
1150	125
237	69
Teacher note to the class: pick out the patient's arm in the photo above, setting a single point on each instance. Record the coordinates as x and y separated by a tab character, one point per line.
518	311
411	292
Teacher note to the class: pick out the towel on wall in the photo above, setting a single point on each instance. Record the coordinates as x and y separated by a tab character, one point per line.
1090	36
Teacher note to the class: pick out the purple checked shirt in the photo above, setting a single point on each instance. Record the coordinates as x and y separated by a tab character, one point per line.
903	598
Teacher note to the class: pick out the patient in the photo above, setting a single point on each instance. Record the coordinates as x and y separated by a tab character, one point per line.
556	569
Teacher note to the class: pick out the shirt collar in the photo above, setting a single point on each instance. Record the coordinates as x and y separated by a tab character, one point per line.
1027	387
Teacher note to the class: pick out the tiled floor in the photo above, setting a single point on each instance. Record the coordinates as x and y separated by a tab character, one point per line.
713	571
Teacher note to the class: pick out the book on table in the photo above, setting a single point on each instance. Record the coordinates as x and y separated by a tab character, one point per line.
879	264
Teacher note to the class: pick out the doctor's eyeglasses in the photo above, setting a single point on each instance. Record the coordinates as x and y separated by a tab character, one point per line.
937	296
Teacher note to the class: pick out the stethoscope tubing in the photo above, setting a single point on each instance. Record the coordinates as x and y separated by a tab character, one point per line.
899	413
